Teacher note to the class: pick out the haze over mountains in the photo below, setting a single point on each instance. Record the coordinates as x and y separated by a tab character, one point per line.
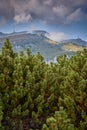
38	41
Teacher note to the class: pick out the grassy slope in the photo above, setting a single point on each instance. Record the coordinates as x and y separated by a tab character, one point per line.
72	47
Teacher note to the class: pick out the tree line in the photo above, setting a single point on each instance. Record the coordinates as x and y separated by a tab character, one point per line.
35	95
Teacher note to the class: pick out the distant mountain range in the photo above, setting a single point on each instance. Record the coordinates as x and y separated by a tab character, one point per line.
38	41
77	41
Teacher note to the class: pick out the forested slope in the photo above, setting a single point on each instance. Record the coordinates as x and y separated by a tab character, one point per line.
38	96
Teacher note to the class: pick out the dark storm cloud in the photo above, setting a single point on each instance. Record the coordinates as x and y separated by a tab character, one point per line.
6	11
48	11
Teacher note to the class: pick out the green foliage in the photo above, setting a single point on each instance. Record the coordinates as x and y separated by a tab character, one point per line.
35	95
60	121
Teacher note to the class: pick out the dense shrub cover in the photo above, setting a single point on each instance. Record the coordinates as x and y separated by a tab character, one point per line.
38	96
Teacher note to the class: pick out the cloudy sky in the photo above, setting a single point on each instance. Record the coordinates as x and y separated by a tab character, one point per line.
62	18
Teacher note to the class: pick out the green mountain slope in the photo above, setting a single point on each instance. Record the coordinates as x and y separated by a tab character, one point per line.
39	42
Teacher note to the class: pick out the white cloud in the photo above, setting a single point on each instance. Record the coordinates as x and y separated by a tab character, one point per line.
22	18
48	2
61	10
74	16
58	36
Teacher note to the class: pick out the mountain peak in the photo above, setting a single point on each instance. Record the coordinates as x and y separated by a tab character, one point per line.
40	32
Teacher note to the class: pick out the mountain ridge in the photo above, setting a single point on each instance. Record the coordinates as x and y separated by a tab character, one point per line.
39	42
77	41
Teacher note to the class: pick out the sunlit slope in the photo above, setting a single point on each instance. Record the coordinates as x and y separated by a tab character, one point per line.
72	47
